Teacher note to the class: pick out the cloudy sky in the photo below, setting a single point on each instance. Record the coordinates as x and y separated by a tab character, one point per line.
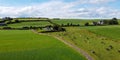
60	8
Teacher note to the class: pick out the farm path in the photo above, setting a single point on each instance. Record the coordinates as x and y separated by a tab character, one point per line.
79	50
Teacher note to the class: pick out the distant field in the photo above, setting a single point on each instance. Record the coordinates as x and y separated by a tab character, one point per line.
76	21
112	32
37	24
26	45
94	39
31	18
44	23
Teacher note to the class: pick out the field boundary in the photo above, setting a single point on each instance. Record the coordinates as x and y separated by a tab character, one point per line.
76	48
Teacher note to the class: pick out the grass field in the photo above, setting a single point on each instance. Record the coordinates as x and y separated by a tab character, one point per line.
37	24
111	32
101	42
31	18
76	21
92	39
26	45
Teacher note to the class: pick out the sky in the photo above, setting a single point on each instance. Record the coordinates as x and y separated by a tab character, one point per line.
60	8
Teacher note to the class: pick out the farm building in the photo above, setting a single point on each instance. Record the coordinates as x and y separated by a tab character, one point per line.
101	22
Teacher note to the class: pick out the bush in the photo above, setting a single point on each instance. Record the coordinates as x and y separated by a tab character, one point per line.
7	18
68	24
7	28
8	22
55	28
119	50
63	29
114	21
25	27
106	22
62	25
56	18
16	21
86	24
58	28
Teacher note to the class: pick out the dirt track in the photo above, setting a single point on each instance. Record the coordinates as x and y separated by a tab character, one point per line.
80	51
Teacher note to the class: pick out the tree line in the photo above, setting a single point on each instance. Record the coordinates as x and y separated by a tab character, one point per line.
113	21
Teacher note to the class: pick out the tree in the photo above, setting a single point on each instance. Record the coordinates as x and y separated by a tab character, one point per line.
7	28
68	24
114	18
58	28
62	25
114	21
17	21
106	22
95	23
86	24
56	18
7	19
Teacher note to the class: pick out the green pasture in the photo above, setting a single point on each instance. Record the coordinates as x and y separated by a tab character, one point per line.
73	21
26	45
36	24
30	18
112	31
76	21
99	42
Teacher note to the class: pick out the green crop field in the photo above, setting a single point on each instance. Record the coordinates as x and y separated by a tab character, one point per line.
73	21
31	18
37	24
101	42
26	45
76	21
111	32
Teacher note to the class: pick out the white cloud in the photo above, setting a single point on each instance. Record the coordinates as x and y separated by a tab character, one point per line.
94	1
49	9
100	1
58	9
101	12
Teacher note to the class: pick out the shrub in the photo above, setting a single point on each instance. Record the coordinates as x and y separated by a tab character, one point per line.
7	18
95	23
106	21
62	25
92	51
55	28
110	46
58	28
25	27
8	22
86	24
108	49
56	18
16	21
103	42
68	24
113	21
119	50
71	24
7	28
